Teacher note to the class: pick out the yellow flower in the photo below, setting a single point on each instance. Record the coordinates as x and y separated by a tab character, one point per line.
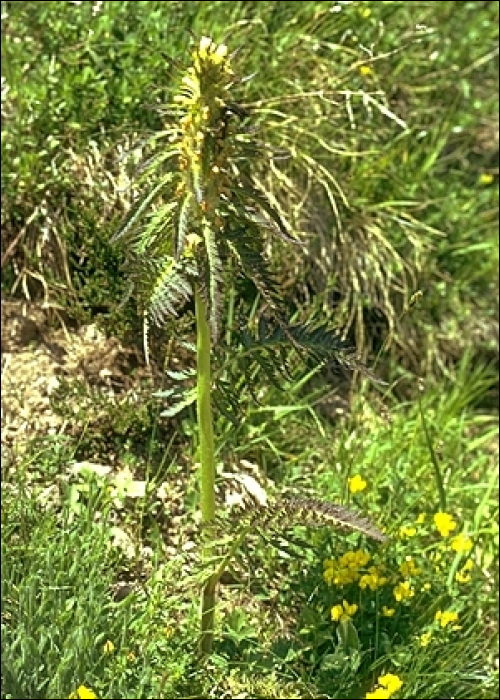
425	639
461	543
446	618
403	591
387	686
421	518
357	484
444	523
378	694
364	12
108	647
388	612
365	70
408	568
486	179
344	612
355	560
372	580
83	692
390	681
407	531
463	576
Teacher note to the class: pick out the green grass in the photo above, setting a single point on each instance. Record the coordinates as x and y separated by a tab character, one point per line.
390	113
69	541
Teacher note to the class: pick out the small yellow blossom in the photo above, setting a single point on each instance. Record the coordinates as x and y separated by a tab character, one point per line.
108	647
387	686
365	70
388	612
408	568
84	693
446	618
444	523
372	580
425	639
378	694
461	543
403	591
407	531
421	518
486	179
357	484
364	12
390	681
426	587
355	560
344	612
463	576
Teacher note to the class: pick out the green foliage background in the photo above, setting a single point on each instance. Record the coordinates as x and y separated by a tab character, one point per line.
389	111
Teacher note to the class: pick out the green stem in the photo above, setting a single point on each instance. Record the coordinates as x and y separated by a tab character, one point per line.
207	460
434	459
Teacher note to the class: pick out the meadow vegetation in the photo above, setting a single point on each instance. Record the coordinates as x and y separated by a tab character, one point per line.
377	125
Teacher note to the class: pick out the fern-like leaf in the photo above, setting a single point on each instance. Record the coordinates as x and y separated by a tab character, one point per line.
276	517
171	285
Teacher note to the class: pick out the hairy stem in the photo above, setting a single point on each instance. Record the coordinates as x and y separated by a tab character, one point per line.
207	459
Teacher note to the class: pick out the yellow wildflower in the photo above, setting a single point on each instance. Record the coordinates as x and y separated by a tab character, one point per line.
355	560
444	523
461	543
372	580
378	694
387	686
365	70
463	576
388	612
446	618
486	179
403	591
407	531
425	639
390	681
408	568
108	647
357	484
421	518
83	692
364	12
344	612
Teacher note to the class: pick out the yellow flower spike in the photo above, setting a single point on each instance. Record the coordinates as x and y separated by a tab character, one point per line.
444	523
204	47
357	484
461	543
